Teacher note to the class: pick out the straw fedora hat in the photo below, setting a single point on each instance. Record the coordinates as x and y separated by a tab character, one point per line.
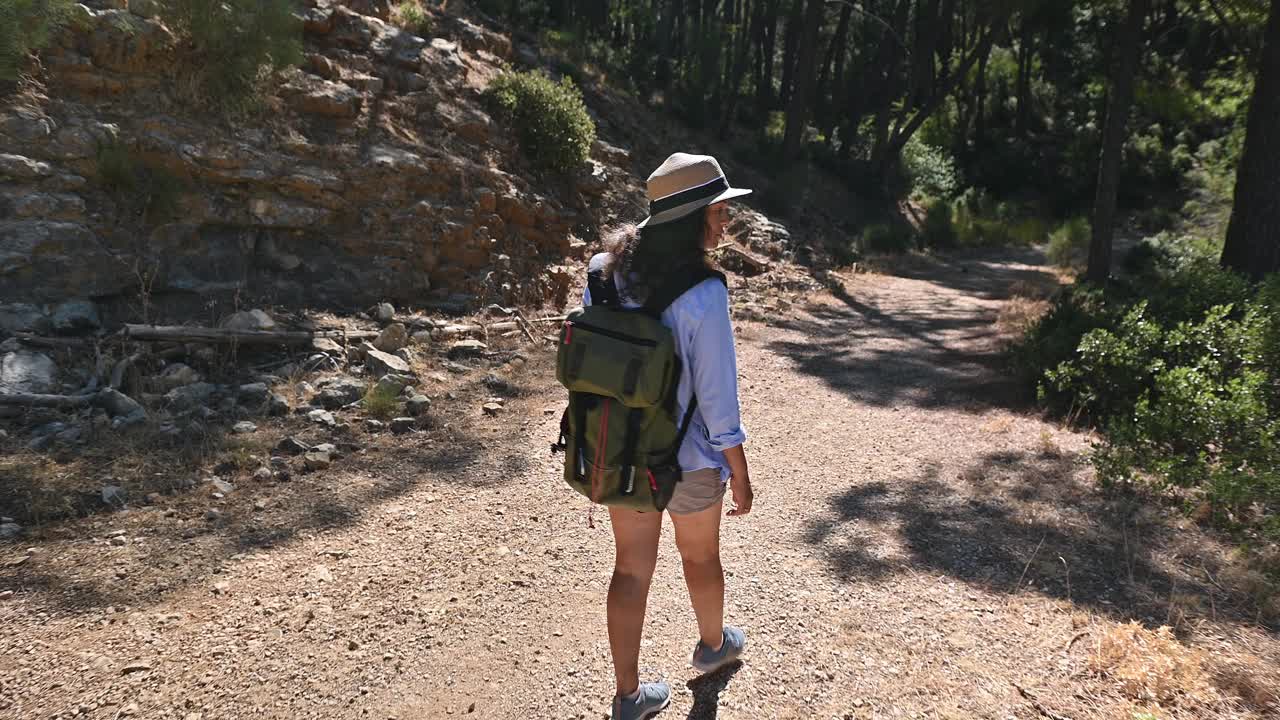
684	183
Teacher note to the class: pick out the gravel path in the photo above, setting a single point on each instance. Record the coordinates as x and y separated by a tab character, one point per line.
922	546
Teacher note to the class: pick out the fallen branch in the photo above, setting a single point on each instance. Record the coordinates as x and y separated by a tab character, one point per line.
561	318
525	326
179	333
54	401
122	367
57	342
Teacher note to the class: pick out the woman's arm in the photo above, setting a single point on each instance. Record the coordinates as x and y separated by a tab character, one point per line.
714	372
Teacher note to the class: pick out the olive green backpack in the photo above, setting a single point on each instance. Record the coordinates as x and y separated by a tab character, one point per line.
619	434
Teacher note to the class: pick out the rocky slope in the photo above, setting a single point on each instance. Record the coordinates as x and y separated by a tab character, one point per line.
373	173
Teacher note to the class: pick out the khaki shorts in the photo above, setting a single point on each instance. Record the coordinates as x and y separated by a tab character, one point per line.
696	491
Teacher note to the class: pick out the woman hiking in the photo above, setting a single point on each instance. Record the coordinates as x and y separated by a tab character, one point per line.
687	216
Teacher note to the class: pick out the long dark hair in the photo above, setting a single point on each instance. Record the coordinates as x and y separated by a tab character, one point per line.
644	256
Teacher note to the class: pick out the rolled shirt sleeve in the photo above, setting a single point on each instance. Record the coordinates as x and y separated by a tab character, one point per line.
714	372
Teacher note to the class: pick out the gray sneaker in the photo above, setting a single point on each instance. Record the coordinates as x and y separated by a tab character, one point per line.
653	698
705	660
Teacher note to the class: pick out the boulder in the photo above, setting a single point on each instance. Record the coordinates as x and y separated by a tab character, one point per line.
386	312
466	348
177	375
278	213
316	460
330	99
190	396
391	385
75	315
380	363
417	405
254	393
117	404
19	167
341	392
23	317
392	338
24	371
291	446
249	320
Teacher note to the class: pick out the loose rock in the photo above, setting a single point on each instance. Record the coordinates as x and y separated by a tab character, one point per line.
27	372
402	424
466	348
254	393
317	460
380	363
244	427
392	338
290	446
323	417
386	312
418	405
114	495
249	320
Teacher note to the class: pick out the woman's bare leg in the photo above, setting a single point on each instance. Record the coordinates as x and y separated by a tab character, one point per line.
635	536
698	539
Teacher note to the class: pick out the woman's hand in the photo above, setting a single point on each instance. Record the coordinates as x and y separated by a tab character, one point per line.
739	481
740	487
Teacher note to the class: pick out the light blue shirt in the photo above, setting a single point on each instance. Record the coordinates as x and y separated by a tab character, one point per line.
699	319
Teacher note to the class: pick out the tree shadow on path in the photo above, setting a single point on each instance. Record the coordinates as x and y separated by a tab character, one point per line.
1010	522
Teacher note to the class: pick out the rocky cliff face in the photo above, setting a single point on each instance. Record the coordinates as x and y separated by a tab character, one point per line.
373	173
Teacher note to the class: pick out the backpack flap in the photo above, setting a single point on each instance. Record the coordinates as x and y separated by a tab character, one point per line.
625	355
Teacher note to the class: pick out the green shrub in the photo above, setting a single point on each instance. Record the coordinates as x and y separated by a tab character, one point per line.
938	230
1069	244
842	250
410	16
233	41
1181	368
139	190
550	118
929	170
885	238
25	27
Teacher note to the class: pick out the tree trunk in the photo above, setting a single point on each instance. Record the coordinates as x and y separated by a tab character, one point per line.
824	112
905	128
801	100
833	60
1023	92
1253	235
751	15
922	67
1118	105
768	45
666	29
790	48
980	102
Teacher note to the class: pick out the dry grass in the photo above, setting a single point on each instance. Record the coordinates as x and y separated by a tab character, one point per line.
1018	314
1152	666
381	403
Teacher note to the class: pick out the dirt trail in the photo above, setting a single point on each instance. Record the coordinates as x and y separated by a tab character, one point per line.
921	547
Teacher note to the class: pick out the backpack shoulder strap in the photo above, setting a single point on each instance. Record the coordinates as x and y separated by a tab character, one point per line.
600	282
678	283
